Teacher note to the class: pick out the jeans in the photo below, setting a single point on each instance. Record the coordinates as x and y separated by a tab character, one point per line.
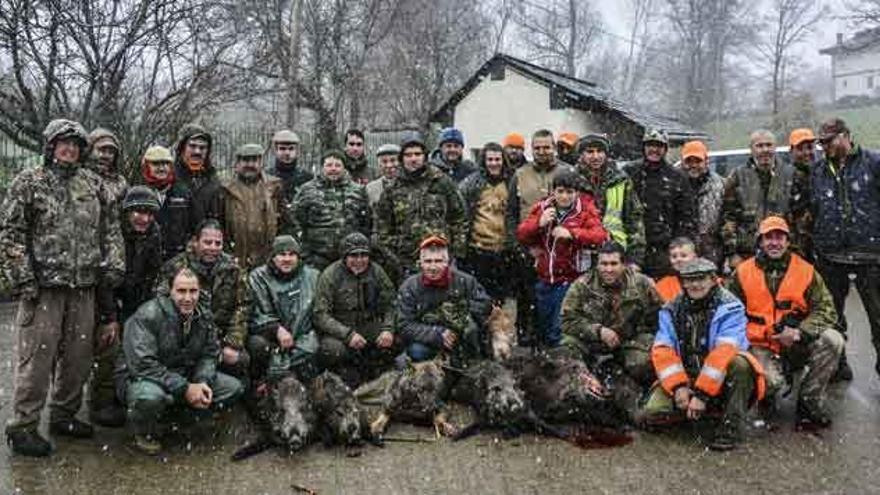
548	303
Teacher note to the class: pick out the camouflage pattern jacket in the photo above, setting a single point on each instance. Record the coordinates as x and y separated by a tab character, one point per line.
423	313
161	347
710	194
59	228
631	310
347	303
223	292
416	205
750	195
324	212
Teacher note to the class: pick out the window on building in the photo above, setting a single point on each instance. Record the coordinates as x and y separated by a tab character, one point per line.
870	82
844	83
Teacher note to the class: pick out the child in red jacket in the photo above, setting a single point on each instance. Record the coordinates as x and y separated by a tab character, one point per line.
559	231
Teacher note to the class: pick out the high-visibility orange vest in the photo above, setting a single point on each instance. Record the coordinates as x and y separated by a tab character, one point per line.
669	287
762	310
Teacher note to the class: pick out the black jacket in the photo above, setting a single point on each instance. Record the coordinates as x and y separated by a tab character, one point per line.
670	210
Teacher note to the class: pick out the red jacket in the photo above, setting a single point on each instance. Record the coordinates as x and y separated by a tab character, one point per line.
556	260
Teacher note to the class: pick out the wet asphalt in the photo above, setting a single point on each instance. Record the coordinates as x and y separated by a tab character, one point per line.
844	459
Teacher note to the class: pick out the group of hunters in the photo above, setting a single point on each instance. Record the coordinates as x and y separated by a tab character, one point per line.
702	294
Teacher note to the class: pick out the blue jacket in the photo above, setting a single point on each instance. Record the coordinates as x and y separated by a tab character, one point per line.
846	208
728	323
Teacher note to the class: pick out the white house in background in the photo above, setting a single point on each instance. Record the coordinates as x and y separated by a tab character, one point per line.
855	64
510	95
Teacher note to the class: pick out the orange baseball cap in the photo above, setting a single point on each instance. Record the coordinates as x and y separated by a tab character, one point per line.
569	138
514	139
772	223
433	241
694	148
798	136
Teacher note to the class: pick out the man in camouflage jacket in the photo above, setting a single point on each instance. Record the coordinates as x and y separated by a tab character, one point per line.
354	314
422	201
326	208
59	240
222	292
612	311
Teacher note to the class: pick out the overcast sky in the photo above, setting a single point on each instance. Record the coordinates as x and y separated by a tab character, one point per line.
617	20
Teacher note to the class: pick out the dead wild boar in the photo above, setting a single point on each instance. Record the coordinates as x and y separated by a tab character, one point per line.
342	421
289	419
415	395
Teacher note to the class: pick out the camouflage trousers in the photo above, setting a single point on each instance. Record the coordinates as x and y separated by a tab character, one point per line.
820	357
54	347
148	402
739	385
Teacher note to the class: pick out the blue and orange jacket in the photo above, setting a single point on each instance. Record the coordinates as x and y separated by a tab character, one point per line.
725	340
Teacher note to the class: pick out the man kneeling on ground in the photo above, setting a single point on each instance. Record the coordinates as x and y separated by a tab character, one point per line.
171	353
442	309
700	357
791	321
354	314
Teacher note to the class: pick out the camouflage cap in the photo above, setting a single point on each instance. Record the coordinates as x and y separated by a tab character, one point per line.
101	134
285	136
248	150
655	136
831	128
62	128
697	268
158	154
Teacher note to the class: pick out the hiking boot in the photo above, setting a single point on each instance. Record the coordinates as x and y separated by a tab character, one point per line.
147	445
725	437
112	416
810	417
73	428
844	372
28	443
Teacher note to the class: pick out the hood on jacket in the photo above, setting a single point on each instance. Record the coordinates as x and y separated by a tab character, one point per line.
62	128
187	132
99	134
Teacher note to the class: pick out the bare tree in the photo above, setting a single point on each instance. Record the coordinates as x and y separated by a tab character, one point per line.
435	46
638	47
141	68
787	24
705	34
559	34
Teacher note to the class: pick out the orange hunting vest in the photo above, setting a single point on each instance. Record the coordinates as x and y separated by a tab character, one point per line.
669	287
762	309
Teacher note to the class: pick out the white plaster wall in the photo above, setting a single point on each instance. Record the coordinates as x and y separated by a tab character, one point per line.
851	73
515	104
